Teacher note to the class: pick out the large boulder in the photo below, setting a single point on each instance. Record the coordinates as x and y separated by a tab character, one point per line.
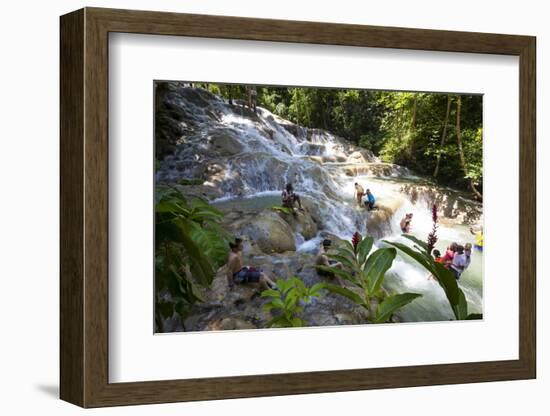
266	229
224	142
379	219
301	222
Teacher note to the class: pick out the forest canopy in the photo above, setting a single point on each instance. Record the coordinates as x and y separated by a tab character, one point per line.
434	134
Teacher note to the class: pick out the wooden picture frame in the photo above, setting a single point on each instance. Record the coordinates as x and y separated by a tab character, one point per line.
84	207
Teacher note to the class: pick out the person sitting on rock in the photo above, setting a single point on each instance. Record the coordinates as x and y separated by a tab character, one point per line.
369	203
323	260
290	198
359	193
405	223
237	273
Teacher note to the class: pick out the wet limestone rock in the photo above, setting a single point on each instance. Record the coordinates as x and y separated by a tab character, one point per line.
266	229
379	219
242	306
224	142
301	222
453	206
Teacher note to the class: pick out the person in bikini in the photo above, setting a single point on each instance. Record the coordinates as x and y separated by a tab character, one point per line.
237	273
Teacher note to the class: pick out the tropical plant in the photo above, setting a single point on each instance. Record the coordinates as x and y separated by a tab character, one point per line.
288	301
365	271
190	246
421	253
281	209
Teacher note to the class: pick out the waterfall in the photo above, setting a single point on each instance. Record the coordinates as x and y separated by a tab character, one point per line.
245	156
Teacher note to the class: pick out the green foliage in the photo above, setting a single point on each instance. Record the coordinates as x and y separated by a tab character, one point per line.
445	278
391	304
412	126
288	300
284	210
401	127
190	246
365	271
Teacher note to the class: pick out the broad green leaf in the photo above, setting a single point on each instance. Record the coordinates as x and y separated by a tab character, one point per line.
391	304
363	248
271	293
278	322
314	290
351	295
297	322
420	257
376	267
346	261
278	303
339	272
422	244
474	316
447	281
461	309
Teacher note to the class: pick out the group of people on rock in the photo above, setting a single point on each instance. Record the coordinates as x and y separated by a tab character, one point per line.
457	257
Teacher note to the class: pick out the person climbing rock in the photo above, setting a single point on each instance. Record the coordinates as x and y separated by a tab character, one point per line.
290	198
369	203
323	260
237	273
359	193
405	223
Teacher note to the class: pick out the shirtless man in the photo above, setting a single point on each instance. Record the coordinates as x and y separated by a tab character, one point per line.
323	260
359	193
236	273
289	198
405	223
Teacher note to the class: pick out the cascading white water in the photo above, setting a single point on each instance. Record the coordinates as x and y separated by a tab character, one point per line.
275	152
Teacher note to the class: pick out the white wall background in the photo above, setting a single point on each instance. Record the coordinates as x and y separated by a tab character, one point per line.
29	209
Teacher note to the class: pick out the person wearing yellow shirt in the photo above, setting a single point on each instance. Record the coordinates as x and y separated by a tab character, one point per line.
479	238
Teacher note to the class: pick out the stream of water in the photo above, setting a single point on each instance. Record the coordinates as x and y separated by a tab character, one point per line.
318	163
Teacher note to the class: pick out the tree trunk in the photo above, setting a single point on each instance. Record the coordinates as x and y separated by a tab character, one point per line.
412	126
461	151
413	118
443	136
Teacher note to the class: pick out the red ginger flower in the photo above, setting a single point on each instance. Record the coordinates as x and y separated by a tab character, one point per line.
355	240
432	237
434	213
